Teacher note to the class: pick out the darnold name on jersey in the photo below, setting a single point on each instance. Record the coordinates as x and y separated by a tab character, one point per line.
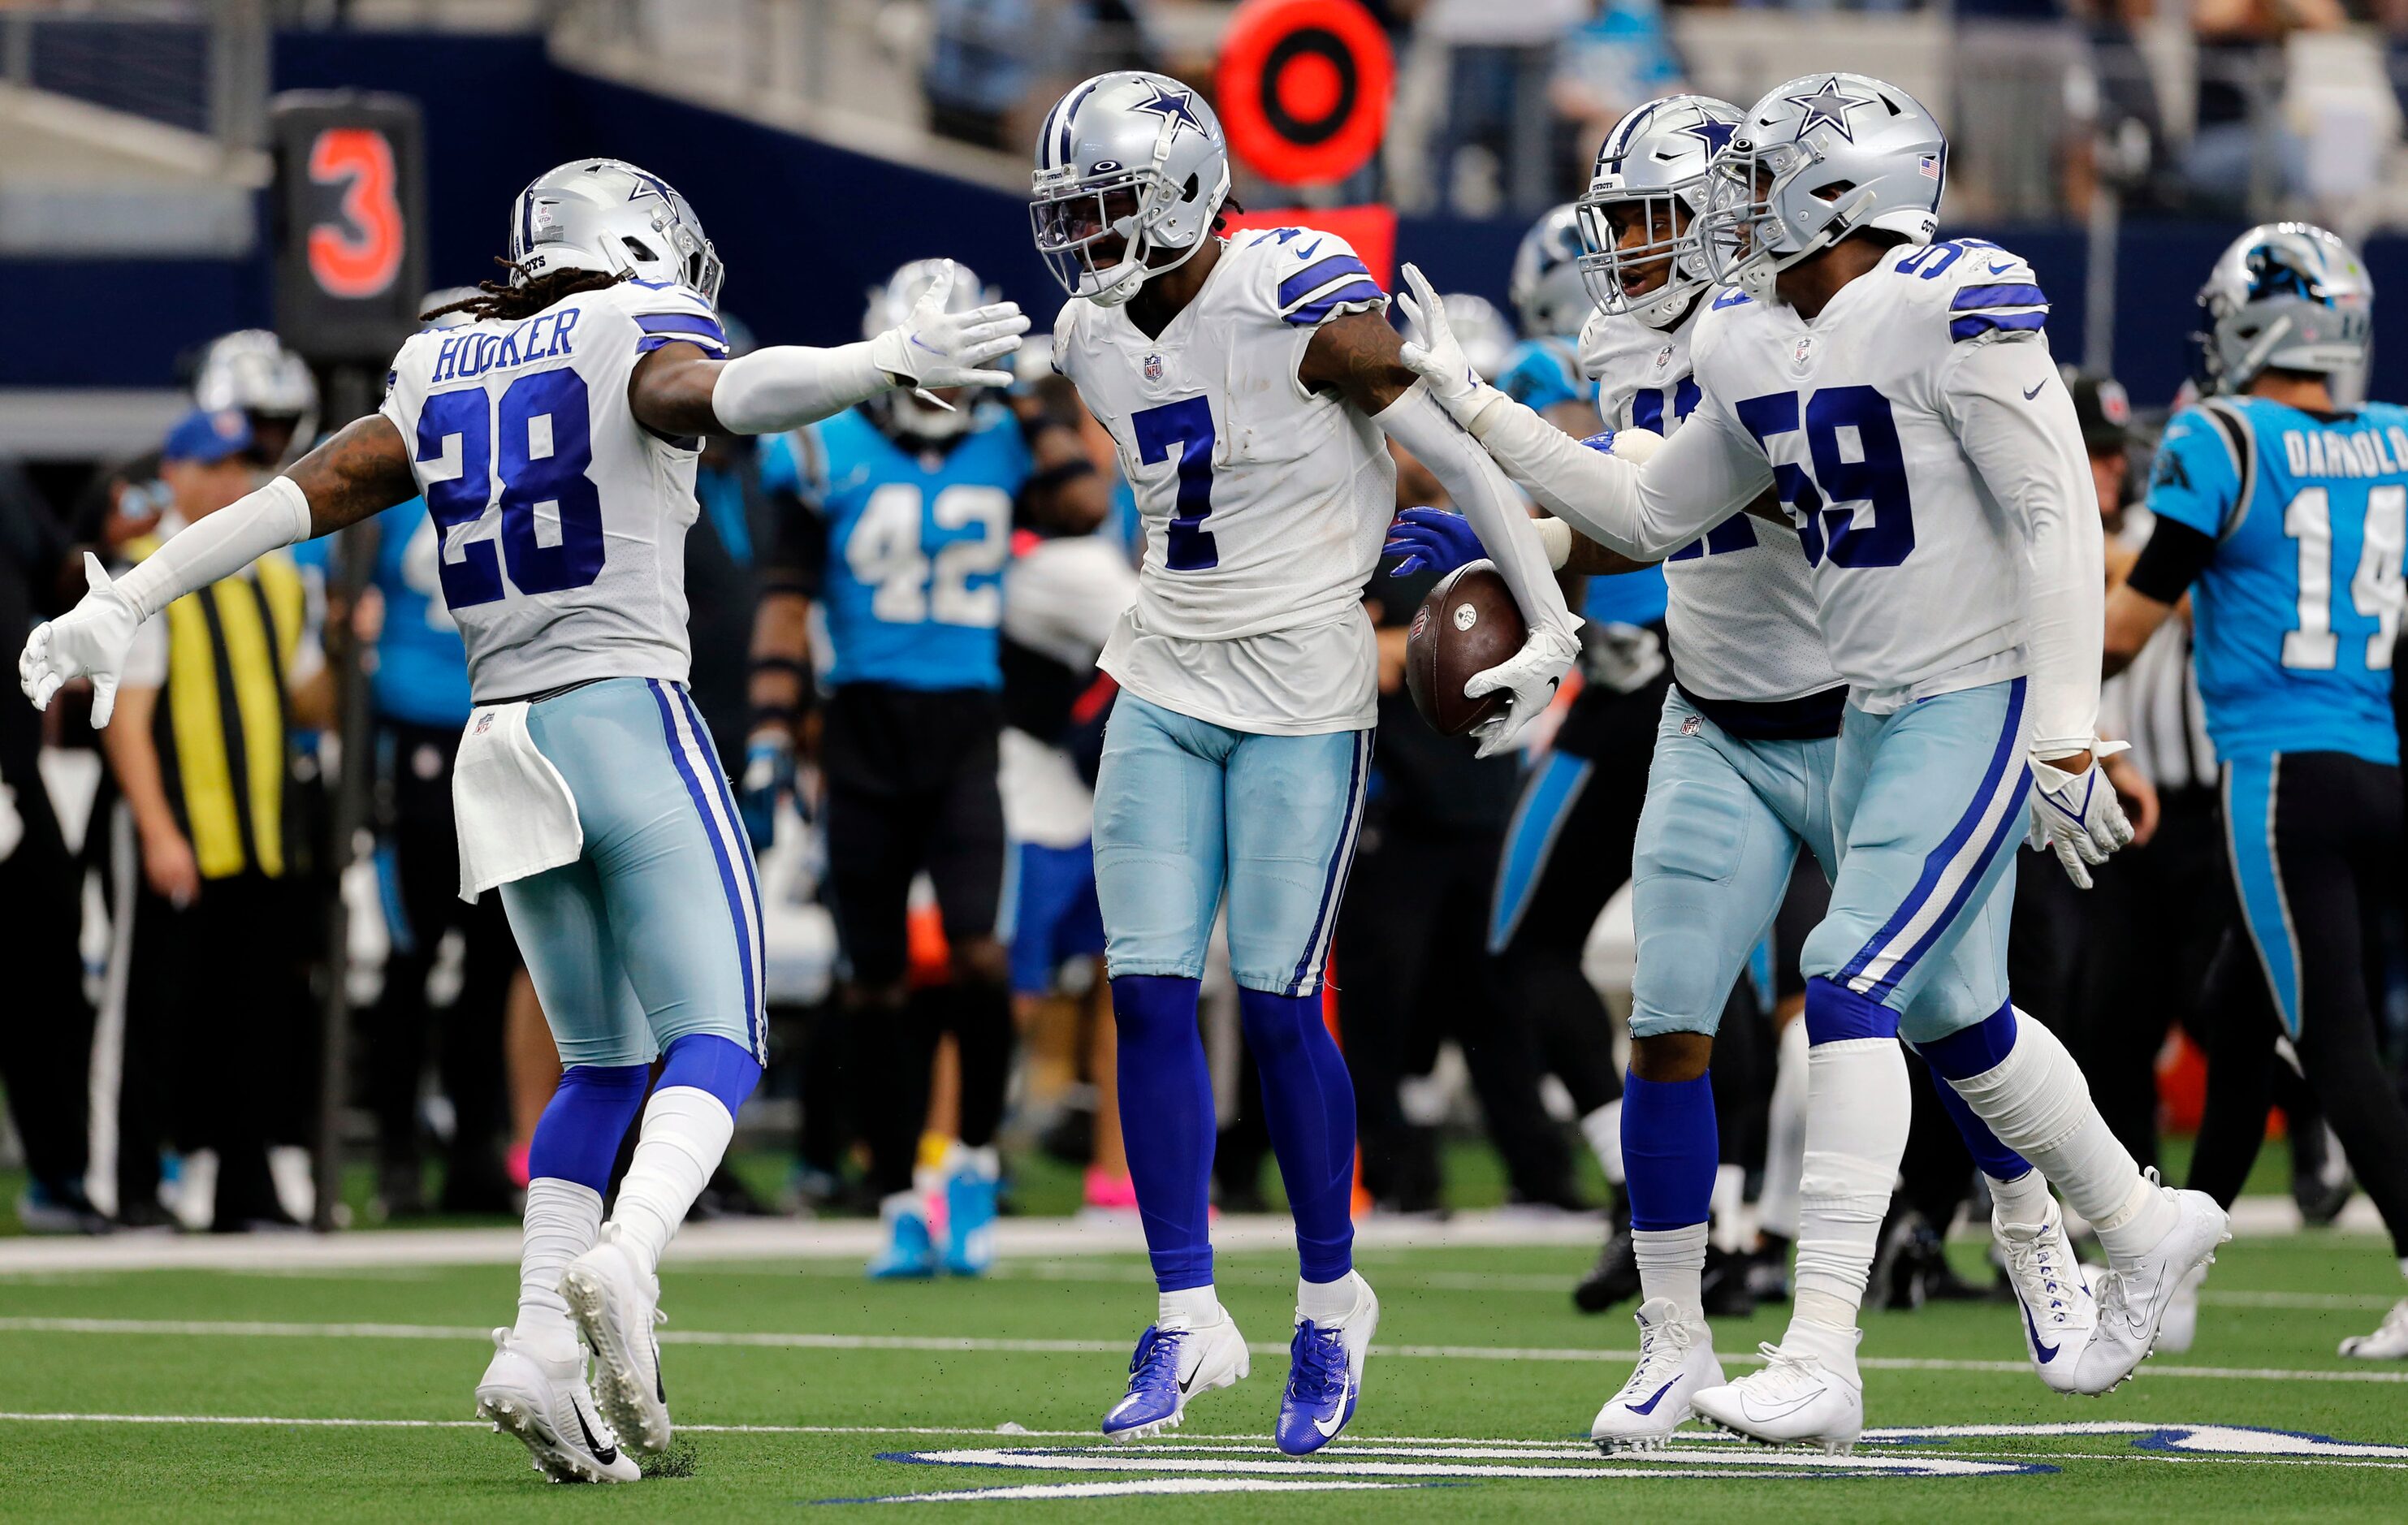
472	352
2319	452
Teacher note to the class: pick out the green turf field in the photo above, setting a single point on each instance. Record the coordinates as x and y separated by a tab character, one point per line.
1478	1392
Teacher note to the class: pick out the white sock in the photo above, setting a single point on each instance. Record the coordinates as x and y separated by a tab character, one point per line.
1191	1307
1672	1263
1727	1209
1835	1345
563	1220
2038	1104
683	1137
1326	1303
1857	1109
1603	1127
2023	1200
1785	1139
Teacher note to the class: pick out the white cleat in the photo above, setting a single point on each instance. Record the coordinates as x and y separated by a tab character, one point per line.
2181	1325
1676	1360
615	1306
2135	1299
545	1406
2060	1315
1172	1366
1794	1400
2388	1343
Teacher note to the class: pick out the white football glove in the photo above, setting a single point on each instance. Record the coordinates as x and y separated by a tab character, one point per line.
2077	815
89	641
1531	675
1439	359
934	348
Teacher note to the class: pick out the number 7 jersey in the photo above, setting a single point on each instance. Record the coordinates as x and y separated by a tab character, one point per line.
561	519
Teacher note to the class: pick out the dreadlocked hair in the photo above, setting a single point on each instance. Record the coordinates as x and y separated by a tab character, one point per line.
497	299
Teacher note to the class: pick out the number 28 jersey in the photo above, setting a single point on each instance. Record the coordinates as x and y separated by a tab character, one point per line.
561	519
1264	504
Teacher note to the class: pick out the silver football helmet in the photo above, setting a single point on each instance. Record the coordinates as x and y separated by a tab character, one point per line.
900	412
1651	176
1547	292
607	215
2285	296
251	370
1484	334
1130	165
1816	160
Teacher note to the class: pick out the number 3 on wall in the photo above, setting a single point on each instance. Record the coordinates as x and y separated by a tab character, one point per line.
359	256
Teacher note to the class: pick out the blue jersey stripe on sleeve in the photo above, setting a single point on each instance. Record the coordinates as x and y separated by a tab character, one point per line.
1973	325
681	322
1999	296
718	348
1320	308
1313	276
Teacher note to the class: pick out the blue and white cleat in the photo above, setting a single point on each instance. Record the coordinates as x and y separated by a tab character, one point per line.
970	1193
2059	1314
1325	1374
911	1250
1171	1367
1676	1360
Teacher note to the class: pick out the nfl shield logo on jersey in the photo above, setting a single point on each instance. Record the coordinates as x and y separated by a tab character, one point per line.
1663	357
1688	725
484	722
1801	354
1154	367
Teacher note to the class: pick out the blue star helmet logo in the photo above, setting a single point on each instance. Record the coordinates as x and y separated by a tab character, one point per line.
648	185
1176	106
1716	134
1830	104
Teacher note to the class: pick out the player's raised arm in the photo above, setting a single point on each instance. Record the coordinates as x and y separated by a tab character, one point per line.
679	391
1358	356
364	468
1604	496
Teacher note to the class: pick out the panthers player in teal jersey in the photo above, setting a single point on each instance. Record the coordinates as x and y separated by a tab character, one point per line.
905	510
2282	513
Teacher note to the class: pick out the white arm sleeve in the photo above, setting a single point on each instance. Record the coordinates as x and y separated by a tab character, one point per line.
787	386
1506	532
2016	421
1698	479
217	545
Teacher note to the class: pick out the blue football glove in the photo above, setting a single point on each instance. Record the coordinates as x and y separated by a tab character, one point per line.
768	773
1440	539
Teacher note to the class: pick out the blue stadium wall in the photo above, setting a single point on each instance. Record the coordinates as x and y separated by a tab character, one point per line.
807	229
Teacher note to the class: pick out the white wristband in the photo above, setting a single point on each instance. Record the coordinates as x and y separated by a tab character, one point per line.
1556	536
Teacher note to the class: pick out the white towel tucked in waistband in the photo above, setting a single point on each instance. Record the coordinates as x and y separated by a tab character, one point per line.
515	812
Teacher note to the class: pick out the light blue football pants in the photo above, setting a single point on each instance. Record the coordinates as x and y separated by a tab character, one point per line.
655	933
1723	824
1186	808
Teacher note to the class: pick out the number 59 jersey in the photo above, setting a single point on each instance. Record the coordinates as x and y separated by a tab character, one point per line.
1264	504
561	519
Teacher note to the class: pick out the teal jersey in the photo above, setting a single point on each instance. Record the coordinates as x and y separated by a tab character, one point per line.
1540	373
2295	612
917	545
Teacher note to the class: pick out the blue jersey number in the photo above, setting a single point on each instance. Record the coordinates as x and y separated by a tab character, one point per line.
1186	427
1873	473
544	451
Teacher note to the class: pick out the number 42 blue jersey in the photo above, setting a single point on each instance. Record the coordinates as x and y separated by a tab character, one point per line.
2295	613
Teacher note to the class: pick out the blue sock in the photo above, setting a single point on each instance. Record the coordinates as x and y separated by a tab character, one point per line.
1309	1103
1960	1056
579	1136
1168	1124
706	1061
1670	1148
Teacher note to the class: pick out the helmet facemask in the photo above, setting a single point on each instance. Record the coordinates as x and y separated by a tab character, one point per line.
1641	255
1742	235
1126	216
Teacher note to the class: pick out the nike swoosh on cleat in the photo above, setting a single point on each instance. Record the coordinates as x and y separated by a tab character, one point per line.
604	1454
1789	1408
1338	1418
2042	1353
1649	1406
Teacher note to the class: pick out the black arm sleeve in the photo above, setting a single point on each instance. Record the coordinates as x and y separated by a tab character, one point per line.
798	560
2172	560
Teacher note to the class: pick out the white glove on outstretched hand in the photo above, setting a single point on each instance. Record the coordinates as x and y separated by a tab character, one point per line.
1438	359
2077	815
89	641
1531	675
934	348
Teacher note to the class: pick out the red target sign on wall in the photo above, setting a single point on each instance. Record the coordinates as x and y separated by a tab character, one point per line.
1303	88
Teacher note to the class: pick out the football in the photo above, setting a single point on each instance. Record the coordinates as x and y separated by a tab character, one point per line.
1468	625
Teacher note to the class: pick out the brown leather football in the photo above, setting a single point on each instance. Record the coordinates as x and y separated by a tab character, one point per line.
1468	625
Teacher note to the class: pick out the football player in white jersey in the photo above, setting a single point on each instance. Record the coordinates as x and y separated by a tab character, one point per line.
555	438
1247	383
1741	781
1898	397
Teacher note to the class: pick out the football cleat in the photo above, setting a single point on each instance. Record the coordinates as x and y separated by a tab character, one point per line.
615	1306
2058	1313
2388	1343
545	1406
1676	1360
970	1193
1615	1277
1171	1367
1793	1400
2181	1326
2134	1299
911	1248
1325	1374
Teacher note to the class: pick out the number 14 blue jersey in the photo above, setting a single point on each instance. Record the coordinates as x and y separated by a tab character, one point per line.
2296	613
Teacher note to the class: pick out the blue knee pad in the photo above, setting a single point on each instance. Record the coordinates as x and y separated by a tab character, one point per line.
706	1061
1836	1014
579	1136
